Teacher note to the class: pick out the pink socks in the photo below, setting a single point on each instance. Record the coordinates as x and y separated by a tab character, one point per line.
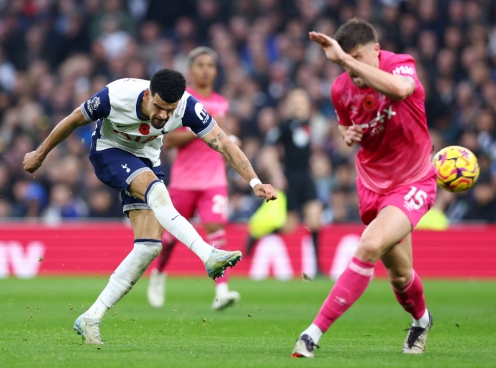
348	288
411	297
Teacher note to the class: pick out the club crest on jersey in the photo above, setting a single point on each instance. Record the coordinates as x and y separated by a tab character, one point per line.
94	103
369	103
201	113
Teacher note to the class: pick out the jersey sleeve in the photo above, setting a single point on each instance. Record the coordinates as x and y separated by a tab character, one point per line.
97	106
341	113
196	118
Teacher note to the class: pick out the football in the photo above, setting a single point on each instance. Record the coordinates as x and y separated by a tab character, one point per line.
457	168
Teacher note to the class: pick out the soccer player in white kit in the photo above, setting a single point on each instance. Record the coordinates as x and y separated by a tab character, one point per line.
133	115
198	185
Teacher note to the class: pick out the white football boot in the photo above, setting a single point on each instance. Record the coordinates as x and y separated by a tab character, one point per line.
416	338
89	329
219	260
225	300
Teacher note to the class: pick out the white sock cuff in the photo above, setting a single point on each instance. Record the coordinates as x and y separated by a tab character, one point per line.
151	188
314	332
145	241
423	321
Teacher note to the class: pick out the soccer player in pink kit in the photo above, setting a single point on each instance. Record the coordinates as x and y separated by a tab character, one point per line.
198	184
380	106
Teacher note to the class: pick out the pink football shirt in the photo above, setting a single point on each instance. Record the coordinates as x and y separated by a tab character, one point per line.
197	166
396	146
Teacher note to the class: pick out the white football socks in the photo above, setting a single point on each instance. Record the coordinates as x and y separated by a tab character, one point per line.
314	332
221	289
125	276
97	310
160	202
423	321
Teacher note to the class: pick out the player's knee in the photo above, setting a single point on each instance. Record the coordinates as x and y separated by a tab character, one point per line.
157	195
369	249
399	278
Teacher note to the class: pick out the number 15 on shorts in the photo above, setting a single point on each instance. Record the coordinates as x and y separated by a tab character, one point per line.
415	198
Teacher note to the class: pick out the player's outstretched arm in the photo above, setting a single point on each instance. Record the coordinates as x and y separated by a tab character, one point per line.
397	87
219	141
181	137
178	138
33	160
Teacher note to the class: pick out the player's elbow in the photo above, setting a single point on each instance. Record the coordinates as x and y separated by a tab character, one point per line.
77	118
402	91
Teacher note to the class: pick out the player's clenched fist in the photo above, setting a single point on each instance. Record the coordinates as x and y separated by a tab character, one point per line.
266	191
32	161
353	135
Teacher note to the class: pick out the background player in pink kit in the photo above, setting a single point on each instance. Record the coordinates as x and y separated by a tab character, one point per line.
198	184
380	105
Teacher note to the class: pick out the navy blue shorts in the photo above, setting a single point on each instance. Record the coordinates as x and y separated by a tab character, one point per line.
117	168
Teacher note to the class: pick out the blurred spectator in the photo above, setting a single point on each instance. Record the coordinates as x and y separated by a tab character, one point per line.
103	203
64	205
54	54
482	206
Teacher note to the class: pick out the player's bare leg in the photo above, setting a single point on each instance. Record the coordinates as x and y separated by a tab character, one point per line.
148	188
409	292
312	211
147	245
387	229
216	235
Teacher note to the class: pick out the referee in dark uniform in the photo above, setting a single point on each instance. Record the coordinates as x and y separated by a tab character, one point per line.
289	143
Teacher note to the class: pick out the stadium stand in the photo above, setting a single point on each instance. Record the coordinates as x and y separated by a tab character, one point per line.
54	54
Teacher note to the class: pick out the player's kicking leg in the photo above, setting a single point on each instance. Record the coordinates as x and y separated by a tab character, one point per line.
389	227
409	292
156	288
147	187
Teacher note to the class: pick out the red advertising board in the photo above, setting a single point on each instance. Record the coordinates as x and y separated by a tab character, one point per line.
28	250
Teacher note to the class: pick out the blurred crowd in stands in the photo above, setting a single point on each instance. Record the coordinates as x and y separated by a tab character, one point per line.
54	54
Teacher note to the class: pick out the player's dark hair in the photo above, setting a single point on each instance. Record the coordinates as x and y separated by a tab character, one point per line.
169	84
355	32
202	50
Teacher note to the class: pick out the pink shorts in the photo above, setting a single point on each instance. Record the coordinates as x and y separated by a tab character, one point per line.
414	199
211	204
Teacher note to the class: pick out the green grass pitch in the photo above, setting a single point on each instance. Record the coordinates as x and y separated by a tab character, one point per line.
36	319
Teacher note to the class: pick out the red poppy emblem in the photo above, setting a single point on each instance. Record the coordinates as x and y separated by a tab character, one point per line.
144	129
369	103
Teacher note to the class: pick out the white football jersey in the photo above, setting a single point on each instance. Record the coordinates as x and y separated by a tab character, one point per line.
117	109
